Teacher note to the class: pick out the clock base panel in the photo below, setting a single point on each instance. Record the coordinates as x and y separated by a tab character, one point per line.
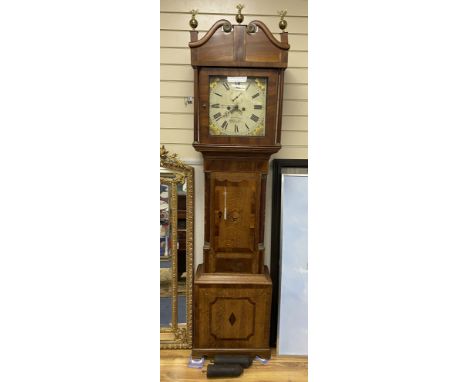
232	313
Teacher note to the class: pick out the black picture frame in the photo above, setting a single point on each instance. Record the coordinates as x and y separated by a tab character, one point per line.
278	167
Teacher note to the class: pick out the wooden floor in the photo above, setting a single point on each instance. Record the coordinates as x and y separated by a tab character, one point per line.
279	369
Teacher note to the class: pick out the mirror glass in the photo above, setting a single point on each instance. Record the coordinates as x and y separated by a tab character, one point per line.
182	252
176	243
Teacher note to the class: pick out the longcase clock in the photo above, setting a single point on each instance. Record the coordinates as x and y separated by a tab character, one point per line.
238	76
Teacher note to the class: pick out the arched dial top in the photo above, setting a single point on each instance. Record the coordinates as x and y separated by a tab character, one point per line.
227	27
223	23
252	28
228	45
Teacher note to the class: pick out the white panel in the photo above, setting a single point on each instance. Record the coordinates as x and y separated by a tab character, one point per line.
292	317
185	89
288	152
176	88
296	41
294	107
185	136
175	56
175	39
179	136
175	105
294	138
174	72
295	92
182	56
176	121
261	7
180	21
180	39
297	59
295	123
295	76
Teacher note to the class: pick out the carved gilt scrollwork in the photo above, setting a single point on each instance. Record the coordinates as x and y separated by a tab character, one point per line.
175	173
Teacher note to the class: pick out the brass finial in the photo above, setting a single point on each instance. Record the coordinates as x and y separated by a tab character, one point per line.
193	21
239	16
283	23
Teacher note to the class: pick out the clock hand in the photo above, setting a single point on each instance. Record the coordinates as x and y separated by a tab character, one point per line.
220	104
238	109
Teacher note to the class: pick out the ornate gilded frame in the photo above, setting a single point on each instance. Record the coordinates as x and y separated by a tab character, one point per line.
179	336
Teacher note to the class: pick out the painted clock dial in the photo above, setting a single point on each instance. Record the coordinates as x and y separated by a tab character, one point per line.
237	105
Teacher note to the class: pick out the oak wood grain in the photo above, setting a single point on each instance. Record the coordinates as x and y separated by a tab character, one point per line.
231	313
232	290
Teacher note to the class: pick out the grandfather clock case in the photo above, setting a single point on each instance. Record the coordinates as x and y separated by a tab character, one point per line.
238	77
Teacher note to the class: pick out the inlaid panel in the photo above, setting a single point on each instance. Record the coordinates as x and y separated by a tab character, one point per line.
232	311
234	215
232	318
234	220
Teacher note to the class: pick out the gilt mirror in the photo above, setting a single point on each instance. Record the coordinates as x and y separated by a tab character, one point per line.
176	251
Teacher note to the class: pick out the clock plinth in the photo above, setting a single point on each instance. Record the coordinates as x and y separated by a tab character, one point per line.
232	312
238	77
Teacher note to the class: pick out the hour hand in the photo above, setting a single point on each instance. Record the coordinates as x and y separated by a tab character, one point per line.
236	97
218	105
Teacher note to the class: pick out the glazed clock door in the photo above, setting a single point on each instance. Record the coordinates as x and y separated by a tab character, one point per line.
234	219
238	106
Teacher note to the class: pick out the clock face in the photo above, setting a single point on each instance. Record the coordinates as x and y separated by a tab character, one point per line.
237	105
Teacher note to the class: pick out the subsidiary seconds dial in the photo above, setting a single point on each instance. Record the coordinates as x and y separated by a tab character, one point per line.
237	105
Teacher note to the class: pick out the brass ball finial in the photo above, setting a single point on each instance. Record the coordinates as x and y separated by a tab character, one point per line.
193	21
239	16
283	23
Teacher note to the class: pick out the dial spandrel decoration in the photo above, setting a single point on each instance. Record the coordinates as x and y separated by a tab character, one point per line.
237	105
